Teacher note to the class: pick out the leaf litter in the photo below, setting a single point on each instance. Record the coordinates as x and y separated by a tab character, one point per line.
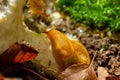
79	72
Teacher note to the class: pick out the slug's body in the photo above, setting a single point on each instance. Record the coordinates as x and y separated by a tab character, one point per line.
67	52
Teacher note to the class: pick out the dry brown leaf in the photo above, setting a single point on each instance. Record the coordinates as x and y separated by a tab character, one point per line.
102	73
79	72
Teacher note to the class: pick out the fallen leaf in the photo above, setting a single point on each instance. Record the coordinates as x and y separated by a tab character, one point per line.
17	53
102	73
79	72
1	77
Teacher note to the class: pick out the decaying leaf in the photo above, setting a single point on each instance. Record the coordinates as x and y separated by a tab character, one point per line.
38	7
1	77
17	53
102	73
67	52
79	72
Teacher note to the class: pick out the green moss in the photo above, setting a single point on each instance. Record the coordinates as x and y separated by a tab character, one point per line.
100	14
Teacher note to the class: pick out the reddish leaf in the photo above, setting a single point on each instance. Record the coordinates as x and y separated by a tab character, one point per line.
1	77
17	53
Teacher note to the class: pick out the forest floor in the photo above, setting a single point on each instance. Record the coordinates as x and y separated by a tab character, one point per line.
107	48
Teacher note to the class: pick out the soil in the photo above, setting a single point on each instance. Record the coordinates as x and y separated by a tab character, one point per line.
108	58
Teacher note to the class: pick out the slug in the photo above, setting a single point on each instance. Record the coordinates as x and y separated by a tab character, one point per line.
67	52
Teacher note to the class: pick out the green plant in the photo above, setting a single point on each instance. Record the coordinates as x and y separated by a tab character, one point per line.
104	47
99	14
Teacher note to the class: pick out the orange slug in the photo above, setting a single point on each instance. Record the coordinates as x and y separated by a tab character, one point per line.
81	52
67	52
